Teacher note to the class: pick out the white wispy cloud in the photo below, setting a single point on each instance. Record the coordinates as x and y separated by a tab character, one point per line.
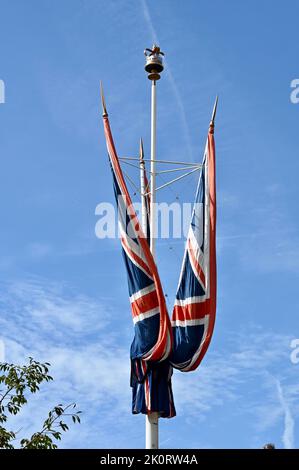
73	332
172	82
50	308
240	377
90	364
289	423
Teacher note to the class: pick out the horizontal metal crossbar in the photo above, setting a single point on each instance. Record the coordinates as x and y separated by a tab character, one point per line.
171	162
163	171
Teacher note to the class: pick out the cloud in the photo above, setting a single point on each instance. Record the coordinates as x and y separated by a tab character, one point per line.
73	332
289	423
240	378
172	82
90	365
50	309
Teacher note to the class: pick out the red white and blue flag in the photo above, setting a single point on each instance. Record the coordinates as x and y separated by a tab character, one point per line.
158	344
152	342
194	311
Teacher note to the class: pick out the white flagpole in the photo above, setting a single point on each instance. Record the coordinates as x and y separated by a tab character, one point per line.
153	67
151	423
152	419
153	168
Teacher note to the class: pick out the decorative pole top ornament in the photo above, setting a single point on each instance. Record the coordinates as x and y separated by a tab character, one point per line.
154	62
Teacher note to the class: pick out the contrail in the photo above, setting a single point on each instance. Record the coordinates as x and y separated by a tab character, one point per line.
172	82
288	434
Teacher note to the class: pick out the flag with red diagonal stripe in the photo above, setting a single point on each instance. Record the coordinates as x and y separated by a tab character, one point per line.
194	311
152	341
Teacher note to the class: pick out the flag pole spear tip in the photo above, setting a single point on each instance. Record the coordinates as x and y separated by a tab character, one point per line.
214	110
103	100
141	153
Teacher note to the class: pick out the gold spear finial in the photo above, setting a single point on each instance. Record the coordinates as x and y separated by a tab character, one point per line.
103	100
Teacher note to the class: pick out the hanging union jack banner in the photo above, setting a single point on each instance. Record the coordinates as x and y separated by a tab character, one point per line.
194	311
160	344
152	342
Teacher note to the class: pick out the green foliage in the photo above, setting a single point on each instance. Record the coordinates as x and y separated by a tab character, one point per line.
15	384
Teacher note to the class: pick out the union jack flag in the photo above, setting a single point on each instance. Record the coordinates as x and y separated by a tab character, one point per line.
152	342
158	344
194	311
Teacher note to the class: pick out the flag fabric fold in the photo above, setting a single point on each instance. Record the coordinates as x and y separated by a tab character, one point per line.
152	388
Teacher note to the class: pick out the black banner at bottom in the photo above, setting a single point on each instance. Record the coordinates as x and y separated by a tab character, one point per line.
141	458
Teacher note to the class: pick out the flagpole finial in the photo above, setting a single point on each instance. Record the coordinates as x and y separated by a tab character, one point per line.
154	62
141	153
103	100
214	111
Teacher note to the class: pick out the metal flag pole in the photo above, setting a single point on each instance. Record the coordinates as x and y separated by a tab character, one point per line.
153	167
153	66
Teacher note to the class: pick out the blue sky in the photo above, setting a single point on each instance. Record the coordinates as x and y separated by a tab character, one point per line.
63	291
